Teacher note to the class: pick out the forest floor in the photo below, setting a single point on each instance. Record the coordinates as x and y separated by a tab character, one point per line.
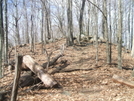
93	82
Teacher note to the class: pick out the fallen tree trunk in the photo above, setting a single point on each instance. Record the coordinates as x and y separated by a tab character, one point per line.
39	71
27	79
120	80
44	65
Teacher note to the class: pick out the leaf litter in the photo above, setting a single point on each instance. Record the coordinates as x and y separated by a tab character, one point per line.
90	81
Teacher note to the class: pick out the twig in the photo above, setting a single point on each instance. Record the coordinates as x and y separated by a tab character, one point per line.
98	9
9	54
31	88
48	58
62	49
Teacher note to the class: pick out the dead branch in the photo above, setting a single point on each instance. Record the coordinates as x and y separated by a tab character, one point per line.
120	80
9	54
48	58
44	65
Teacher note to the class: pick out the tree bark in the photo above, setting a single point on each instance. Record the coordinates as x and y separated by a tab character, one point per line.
132	52
1	35
81	19
69	39
6	33
42	29
103	23
96	31
132	23
26	23
120	36
108	54
47	18
16	79
16	22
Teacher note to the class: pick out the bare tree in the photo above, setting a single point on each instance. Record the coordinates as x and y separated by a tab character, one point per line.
16	18
26	22
42	29
81	19
32	28
60	17
132	52
6	33
131	34
103	21
47	18
110	34
108	54
119	35
1	35
96	29
69	40
114	23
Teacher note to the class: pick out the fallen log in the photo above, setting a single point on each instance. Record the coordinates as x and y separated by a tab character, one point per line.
120	80
27	79
39	71
11	65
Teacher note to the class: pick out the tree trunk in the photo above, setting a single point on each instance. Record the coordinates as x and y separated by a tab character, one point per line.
32	35
81	19
16	22
42	30
16	78
115	25
28	79
26	23
103	22
96	33
120	35
6	34
69	40
132	21
39	71
110	33
1	35
47	15
108	54
132	52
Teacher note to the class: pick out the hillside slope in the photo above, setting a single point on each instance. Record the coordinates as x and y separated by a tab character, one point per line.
90	82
